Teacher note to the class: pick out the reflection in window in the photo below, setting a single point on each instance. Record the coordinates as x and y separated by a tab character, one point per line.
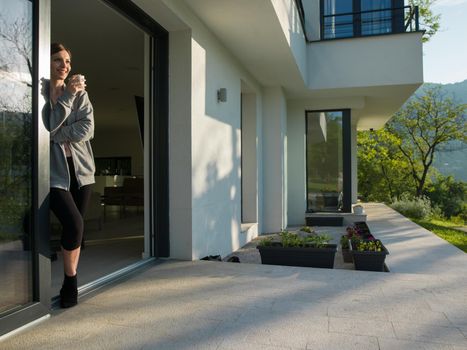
340	23
15	153
350	18
324	161
113	165
376	21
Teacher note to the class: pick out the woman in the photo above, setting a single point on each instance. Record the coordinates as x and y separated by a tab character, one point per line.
71	125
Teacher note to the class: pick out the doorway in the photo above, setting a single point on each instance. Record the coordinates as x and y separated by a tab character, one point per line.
112	53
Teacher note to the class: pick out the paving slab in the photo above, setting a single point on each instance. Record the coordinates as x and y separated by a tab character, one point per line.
221	305
412	248
301	309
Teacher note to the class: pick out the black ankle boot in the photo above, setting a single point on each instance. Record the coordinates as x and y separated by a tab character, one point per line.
69	292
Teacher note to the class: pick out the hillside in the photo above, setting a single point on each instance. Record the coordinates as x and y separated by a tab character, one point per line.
457	90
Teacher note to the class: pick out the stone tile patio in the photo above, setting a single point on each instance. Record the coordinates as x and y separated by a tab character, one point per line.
219	305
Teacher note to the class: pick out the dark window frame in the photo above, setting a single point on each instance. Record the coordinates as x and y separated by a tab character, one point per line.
159	122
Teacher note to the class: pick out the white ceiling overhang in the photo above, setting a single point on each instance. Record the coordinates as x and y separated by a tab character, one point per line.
252	32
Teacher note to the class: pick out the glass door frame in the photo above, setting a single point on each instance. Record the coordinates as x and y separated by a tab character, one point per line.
159	123
346	157
40	250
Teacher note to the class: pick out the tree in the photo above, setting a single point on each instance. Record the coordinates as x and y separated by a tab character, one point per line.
423	125
429	21
383	173
450	195
15	121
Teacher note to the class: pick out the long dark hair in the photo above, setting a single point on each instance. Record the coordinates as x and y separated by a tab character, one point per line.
57	47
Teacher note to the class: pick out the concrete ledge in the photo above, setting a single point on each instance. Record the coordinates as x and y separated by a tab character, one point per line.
250	229
347	218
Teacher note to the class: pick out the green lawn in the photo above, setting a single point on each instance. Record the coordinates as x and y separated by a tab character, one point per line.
445	230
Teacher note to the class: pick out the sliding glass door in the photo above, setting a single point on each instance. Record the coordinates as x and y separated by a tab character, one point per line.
16	142
24	262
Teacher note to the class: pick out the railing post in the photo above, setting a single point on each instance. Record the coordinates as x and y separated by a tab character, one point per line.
321	34
417	25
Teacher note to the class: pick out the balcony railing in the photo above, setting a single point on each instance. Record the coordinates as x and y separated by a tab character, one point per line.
372	22
362	23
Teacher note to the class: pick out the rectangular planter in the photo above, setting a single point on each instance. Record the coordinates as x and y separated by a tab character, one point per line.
363	229
362	225
369	261
298	256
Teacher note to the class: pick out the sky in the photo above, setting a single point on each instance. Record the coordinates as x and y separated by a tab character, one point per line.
445	55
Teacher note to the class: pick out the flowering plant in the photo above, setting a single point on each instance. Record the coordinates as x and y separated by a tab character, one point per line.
368	246
351	234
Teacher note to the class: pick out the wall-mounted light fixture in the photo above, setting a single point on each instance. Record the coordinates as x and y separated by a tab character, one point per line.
222	95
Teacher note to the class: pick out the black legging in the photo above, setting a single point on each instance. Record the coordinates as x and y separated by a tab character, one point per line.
69	207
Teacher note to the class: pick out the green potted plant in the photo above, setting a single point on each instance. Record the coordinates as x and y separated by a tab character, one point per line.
368	255
351	233
306	229
346	255
312	250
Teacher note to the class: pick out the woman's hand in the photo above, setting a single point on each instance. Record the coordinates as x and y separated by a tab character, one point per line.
75	84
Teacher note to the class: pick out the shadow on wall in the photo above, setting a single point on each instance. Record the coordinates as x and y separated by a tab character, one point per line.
216	163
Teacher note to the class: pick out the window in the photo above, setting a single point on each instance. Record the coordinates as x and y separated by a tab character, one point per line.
374	20
328	161
353	18
337	19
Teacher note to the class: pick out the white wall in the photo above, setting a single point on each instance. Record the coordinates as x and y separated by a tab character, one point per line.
354	164
296	184
180	123
288	16
207	133
249	159
368	61
215	150
274	160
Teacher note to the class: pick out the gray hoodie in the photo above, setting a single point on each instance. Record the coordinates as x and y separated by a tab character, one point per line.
70	120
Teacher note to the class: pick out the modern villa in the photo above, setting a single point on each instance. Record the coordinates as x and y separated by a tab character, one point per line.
215	121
